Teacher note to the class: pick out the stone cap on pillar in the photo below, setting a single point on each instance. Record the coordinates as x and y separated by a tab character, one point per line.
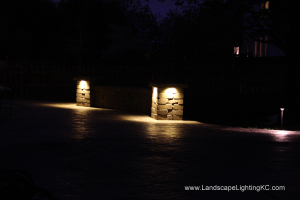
168	85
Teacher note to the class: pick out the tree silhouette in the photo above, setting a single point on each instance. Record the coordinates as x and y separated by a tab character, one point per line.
279	21
194	35
132	41
27	29
86	27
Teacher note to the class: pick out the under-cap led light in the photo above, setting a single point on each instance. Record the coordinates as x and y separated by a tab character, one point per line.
171	91
83	84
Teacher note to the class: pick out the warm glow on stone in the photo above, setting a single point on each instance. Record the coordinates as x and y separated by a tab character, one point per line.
167	101
154	93
171	91
83	84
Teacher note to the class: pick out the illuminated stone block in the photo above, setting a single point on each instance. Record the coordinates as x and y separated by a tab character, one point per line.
167	100
165	96
176	101
86	92
164	117
178	96
154	116
167	106
79	91
171	112
163	101
154	110
170	101
162	112
87	96
154	105
176	112
83	93
79	104
78	99
178	107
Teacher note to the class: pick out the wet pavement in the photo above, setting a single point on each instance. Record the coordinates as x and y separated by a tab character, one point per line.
81	153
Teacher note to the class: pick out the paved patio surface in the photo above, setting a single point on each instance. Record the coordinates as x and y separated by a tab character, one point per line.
80	153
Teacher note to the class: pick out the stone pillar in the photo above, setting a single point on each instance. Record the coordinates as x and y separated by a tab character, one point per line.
167	101
83	93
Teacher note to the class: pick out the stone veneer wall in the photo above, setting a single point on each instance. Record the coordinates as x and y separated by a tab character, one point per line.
83	96
167	105
122	98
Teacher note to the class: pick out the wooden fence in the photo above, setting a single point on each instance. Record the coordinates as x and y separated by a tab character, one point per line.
41	80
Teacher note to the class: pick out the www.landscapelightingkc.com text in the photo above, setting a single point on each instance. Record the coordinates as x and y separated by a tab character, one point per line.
241	188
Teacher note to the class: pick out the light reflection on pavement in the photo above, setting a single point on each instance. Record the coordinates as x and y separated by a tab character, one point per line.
94	153
282	136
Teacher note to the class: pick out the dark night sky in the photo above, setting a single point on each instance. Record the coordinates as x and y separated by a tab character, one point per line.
160	7
156	6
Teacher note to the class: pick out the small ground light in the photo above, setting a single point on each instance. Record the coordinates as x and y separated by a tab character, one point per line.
282	109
